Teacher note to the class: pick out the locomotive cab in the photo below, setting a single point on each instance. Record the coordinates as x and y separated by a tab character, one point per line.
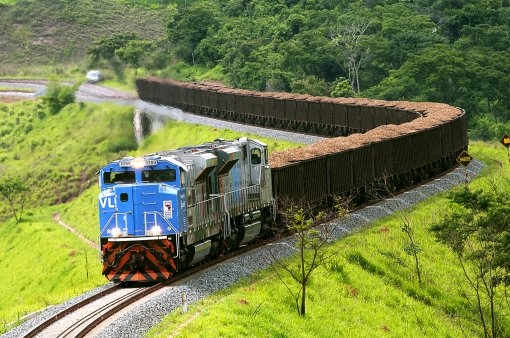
141	197
141	204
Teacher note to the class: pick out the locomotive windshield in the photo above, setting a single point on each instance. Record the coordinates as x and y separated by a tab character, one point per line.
111	177
164	175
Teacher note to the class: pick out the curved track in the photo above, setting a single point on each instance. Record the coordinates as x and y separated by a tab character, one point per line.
81	318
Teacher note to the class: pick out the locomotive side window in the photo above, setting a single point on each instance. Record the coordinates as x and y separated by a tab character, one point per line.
255	156
164	175
112	177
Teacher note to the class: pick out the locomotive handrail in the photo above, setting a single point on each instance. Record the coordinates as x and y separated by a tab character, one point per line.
241	202
169	224
207	208
115	214
162	217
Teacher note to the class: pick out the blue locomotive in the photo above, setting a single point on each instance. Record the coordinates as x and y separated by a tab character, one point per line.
162	212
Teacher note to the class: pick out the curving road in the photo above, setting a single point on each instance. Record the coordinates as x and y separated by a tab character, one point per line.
27	89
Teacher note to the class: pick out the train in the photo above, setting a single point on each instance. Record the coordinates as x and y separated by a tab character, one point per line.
162	212
375	148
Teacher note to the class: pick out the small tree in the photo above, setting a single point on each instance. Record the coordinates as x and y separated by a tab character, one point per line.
120	50
133	52
342	88
312	234
58	96
412	248
15	192
478	232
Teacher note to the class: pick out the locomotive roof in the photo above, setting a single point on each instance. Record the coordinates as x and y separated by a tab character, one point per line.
206	147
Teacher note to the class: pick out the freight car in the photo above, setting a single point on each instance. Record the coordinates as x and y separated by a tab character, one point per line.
164	211
389	145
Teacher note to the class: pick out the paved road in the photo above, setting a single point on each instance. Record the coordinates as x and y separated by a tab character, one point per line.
26	89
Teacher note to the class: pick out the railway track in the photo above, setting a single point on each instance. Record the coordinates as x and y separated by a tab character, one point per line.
81	318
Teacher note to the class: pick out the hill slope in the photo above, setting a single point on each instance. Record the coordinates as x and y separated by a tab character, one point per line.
50	32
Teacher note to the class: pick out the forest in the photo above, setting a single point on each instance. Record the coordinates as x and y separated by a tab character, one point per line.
451	51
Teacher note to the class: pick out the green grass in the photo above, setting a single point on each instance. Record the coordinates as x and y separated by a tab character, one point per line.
177	134
370	289
42	264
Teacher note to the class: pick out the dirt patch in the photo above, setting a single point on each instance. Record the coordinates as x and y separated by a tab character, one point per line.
12	99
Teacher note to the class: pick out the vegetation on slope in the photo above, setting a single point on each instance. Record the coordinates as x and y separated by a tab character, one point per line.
54	33
58	155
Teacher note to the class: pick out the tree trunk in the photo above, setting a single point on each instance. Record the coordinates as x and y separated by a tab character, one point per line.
303	302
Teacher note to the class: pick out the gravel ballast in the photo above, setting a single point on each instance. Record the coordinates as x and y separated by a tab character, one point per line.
144	316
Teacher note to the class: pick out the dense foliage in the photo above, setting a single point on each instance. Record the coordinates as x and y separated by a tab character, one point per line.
444	51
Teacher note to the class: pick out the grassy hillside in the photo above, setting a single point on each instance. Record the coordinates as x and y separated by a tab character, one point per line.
369	290
58	155
43	263
54	33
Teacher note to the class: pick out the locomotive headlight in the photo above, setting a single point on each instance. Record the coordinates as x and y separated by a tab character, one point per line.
138	163
116	232
156	230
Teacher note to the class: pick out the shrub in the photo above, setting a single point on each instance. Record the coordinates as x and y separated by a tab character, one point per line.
58	96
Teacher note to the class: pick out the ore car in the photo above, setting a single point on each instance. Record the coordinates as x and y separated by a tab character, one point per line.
162	212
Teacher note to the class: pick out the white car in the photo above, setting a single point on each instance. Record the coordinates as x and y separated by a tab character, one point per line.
94	76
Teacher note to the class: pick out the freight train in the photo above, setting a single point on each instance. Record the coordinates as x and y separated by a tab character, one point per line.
385	147
164	211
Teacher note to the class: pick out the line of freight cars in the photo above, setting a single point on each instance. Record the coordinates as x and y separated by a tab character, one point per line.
387	145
